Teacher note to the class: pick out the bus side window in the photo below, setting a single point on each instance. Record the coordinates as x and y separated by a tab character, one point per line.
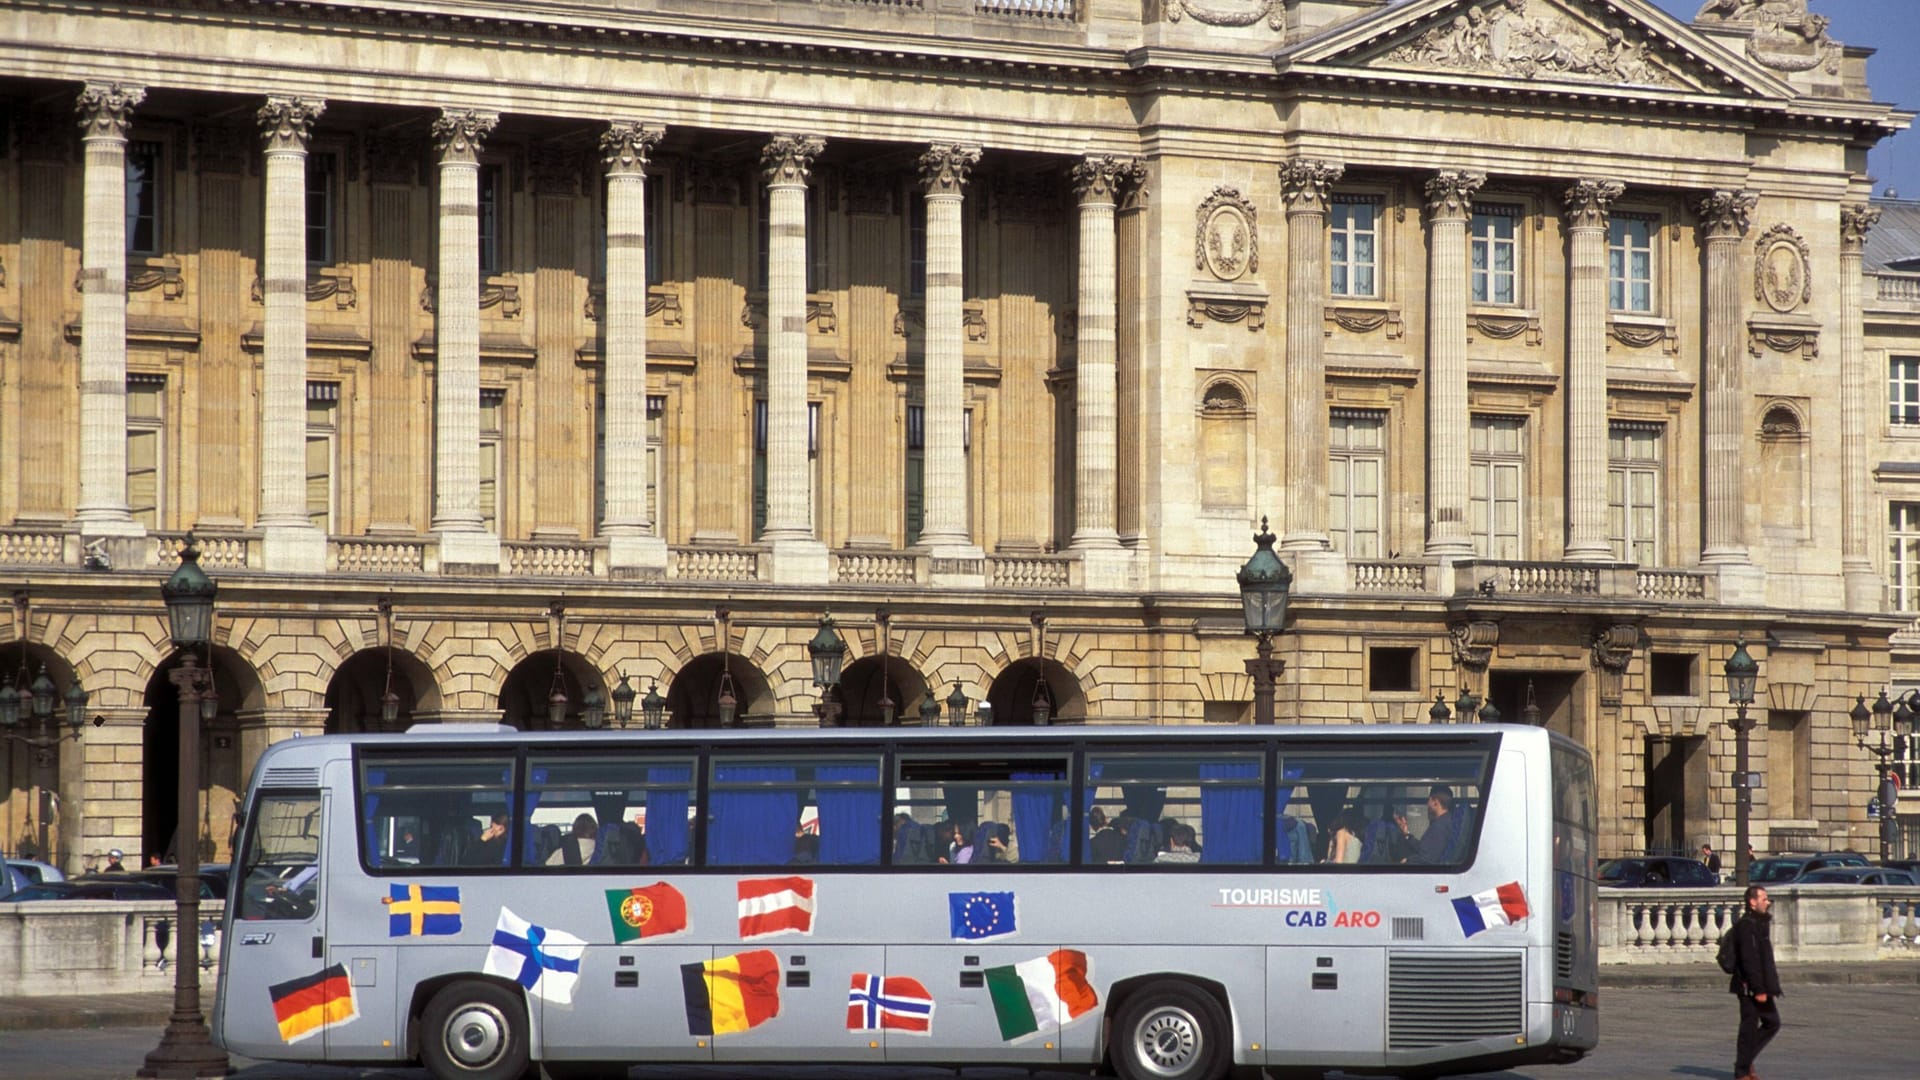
1172	809
607	811
810	812
279	877
1414	805
981	811
438	814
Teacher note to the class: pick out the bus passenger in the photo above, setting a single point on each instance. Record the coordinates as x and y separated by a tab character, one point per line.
946	841
1182	846
577	848
1345	843
1442	826
491	849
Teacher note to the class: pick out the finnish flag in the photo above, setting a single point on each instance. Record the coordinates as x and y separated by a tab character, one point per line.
546	962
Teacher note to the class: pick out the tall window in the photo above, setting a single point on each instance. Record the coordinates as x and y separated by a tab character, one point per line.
1356	459
1353	247
1497	464
1903	555
323	196
1630	262
323	430
493	407
655	224
144	160
146	447
916	244
1633	492
819	247
492	220
916	501
760	465
1903	390
1496	254
656	444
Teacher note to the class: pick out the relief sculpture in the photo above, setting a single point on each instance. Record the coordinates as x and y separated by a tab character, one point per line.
1228	12
1786	36
1226	244
1780	269
1501	37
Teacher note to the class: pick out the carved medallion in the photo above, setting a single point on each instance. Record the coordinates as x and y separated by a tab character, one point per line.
1782	269
1228	12
1505	37
1226	244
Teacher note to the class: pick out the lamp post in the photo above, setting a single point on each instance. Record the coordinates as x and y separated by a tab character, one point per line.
929	709
623	694
1741	672
1264	582
957	706
829	652
1884	723
186	1048
653	707
1439	714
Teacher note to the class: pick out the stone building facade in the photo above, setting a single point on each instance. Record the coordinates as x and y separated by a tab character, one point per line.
494	354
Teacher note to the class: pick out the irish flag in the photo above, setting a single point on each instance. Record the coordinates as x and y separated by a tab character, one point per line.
1041	994
1503	906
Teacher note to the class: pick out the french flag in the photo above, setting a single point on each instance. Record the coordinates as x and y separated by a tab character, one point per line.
1503	906
776	906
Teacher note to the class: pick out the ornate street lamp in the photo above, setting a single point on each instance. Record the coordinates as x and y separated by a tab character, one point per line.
593	709
76	707
1466	706
1530	713
1264	583
1880	721
186	1048
1439	714
729	704
828	652
957	706
1042	705
929	709
1489	713
653	707
1741	672
623	695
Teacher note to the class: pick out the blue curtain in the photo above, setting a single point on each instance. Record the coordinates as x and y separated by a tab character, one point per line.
1035	812
536	778
667	842
374	778
752	827
1144	801
1283	846
1086	834
1230	813
849	817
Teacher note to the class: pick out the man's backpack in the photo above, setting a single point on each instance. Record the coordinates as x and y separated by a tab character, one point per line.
1727	956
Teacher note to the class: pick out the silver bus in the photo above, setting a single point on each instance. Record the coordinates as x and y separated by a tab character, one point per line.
1166	902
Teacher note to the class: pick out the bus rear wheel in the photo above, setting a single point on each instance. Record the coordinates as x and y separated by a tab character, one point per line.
474	1031
1170	1031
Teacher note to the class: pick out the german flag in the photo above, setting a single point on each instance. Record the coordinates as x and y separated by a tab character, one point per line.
311	1005
733	993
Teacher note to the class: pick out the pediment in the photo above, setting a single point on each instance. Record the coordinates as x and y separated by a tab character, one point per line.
1624	44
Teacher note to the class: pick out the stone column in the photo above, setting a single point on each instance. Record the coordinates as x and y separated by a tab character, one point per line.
633	541
1304	187
464	540
1588	203
1098	182
1865	589
1449	208
1723	221
798	556
943	175
290	543
106	112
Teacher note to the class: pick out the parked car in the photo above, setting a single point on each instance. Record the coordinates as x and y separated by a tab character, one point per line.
1911	866
11	881
1787	869
36	871
1857	875
1656	871
90	890
213	879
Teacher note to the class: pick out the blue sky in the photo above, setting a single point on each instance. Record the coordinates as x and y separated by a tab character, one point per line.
1892	27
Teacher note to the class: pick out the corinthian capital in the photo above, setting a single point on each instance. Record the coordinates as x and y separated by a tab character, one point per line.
944	167
625	147
286	123
788	159
106	109
1106	177
1306	182
1725	213
1450	194
1589	201
1855	222
458	133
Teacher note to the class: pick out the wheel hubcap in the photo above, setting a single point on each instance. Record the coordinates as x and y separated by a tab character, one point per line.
1168	1041
476	1035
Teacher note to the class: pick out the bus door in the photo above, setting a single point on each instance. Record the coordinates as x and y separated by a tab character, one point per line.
278	995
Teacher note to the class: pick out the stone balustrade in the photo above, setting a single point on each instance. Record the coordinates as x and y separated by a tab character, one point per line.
1391	577
1812	922
536	559
879	568
1894	286
53	947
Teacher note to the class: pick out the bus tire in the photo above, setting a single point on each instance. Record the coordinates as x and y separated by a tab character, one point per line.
474	1030
1170	1031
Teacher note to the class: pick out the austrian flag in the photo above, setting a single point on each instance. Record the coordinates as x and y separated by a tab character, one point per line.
892	1003
1503	906
776	906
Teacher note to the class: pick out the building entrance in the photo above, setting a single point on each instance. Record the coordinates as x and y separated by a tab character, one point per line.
1677	793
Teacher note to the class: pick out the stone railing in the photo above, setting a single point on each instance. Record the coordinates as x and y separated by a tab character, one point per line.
51	947
1395	577
1810	923
218	551
35	547
877	568
1673	584
1030	572
715	564
547	559
1064	10
366	555
1892	285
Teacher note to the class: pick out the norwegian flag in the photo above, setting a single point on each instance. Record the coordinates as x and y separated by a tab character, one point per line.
894	1003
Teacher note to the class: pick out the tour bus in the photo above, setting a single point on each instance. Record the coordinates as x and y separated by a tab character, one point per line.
1165	902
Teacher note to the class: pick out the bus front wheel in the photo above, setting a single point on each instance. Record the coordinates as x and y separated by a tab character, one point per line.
1170	1031
474	1031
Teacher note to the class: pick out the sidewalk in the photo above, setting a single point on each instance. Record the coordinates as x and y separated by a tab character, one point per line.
152	1010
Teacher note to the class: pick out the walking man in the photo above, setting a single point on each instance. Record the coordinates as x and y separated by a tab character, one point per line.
1755	981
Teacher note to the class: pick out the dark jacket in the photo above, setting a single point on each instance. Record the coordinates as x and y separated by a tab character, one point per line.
1753	954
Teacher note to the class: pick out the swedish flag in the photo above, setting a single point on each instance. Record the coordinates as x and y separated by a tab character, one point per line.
422	910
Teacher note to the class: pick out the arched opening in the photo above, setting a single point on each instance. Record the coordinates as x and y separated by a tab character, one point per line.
864	682
1029	688
527	694
1225	423
693	699
355	692
1784	493
31	794
221	781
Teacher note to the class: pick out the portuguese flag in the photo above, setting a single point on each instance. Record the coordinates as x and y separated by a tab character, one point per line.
655	911
1039	994
733	993
308	1006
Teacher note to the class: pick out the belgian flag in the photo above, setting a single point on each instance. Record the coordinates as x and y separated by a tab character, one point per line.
733	993
308	1006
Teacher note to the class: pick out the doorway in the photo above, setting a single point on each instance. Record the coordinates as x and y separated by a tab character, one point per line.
1551	692
1677	793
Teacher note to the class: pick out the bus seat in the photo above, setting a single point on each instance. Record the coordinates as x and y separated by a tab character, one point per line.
546	841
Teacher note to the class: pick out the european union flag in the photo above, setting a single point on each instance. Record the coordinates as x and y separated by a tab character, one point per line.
976	915
422	910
